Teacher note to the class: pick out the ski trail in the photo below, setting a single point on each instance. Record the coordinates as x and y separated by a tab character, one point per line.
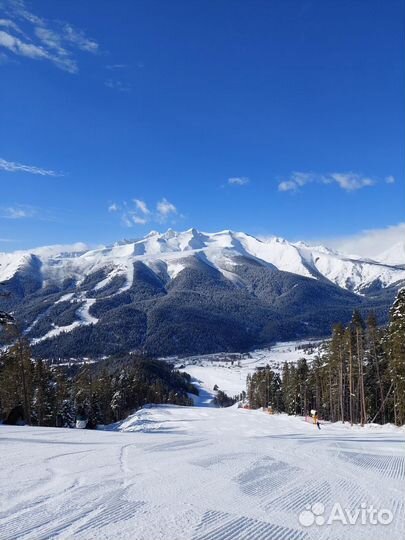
191	473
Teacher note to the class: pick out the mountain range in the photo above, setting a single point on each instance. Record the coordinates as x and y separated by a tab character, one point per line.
189	292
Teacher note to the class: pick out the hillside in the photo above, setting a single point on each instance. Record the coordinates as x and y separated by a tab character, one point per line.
187	293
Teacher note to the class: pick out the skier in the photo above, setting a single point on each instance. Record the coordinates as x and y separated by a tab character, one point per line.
315	419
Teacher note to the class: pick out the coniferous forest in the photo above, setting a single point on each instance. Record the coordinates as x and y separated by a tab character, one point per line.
38	393
358	378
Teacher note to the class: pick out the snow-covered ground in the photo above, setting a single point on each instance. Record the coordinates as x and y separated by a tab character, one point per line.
200	474
83	314
212	369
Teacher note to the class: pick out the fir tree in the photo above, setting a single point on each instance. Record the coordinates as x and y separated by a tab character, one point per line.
396	356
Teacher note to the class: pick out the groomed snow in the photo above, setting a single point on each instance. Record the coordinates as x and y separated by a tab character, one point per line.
198	474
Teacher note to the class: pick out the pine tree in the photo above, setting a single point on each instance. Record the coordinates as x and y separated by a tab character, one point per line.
358	330
66	414
395	343
16	378
42	408
376	384
302	387
348	343
117	405
289	380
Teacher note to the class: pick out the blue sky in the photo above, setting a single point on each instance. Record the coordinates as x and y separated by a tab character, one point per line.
273	117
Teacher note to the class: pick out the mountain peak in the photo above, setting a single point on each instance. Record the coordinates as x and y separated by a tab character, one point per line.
221	249
152	233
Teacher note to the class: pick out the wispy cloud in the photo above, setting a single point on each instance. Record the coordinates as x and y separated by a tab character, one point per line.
17	46
139	220
22	33
7	23
17	212
12	166
164	209
347	181
113	207
117	85
238	180
142	206
370	242
390	180
115	66
79	39
137	212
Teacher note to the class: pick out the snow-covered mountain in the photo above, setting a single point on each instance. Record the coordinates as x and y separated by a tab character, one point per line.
187	292
171	250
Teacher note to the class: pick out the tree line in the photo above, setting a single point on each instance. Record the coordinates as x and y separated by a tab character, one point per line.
38	393
359	376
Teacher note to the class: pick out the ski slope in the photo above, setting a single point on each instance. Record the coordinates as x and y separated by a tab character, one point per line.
198	473
217	369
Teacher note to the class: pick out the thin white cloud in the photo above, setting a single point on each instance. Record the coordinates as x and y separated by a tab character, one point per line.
142	206
12	166
126	220
79	39
347	181
19	9
129	218
17	212
238	180
165	208
139	220
7	23
390	180
17	46
42	39
296	180
117	85
287	185
113	207
370	243
115	66
50	38
137	212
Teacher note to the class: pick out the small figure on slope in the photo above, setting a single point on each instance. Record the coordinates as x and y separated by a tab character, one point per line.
315	419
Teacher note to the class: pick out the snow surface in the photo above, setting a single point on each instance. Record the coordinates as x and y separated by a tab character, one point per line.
198	474
84	318
217	369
